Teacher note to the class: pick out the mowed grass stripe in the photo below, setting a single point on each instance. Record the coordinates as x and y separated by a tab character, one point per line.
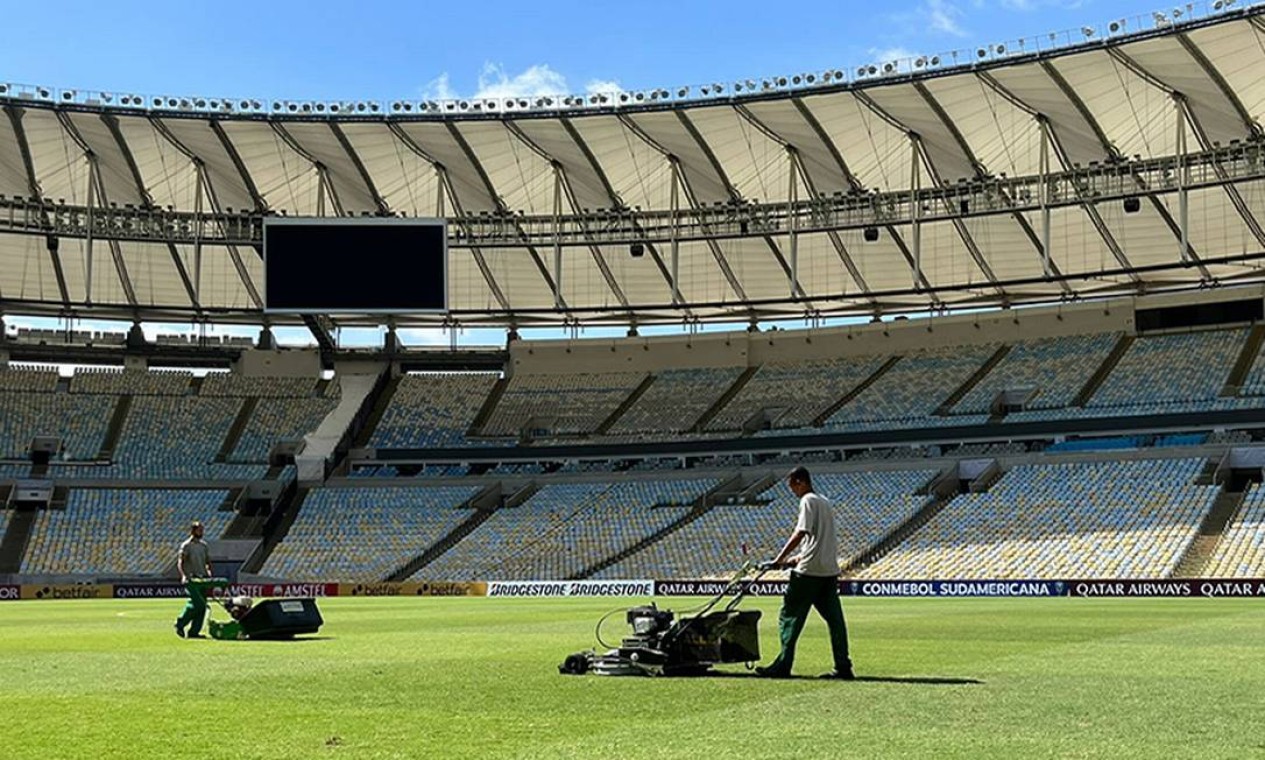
477	678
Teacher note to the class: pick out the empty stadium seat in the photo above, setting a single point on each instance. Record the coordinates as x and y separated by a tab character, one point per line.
867	505
1241	551
120	532
345	534
1127	519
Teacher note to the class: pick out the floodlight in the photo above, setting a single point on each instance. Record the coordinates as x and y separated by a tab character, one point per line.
1088	31
68	95
810	78
872	70
4	89
682	92
200	103
319	107
107	97
1177	13
920	61
889	67
781	81
999	49
981	52
1115	26
43	93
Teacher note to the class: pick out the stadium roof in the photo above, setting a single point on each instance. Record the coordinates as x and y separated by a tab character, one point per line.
1131	161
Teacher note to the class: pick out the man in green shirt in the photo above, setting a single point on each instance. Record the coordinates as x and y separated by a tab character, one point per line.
193	561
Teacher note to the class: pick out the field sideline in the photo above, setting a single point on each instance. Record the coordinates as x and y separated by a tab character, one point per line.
477	677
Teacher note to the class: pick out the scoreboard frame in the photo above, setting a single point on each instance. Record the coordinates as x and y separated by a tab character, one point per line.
274	222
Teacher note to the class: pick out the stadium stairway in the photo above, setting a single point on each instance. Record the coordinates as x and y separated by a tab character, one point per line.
947	407
705	419
637	393
235	430
941	490
820	420
380	405
115	430
277	527
1100	375
732	489
489	406
13	545
246	523
1211	530
484	503
1243	365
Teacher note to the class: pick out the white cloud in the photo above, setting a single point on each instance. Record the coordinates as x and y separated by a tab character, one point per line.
496	83
439	88
943	16
891	54
536	80
602	87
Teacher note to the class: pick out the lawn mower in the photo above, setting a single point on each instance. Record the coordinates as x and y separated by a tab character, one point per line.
270	619
663	645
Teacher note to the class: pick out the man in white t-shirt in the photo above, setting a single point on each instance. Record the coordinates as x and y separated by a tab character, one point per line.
813	582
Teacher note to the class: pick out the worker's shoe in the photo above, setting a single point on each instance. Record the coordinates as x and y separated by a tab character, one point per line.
771	672
179	629
195	636
839	675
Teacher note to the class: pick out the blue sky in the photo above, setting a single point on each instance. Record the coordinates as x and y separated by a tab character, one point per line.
387	50
372	49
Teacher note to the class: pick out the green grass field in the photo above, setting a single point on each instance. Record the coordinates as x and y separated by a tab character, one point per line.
477	677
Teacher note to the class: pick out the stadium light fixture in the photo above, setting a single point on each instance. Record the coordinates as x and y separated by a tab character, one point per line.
68	95
1088	31
4	89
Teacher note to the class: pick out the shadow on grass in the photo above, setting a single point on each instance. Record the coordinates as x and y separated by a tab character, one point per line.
925	680
921	680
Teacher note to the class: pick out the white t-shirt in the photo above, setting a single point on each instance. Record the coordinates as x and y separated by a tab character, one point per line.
819	550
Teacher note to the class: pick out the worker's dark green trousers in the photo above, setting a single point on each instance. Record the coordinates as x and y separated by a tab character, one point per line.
195	611
805	592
